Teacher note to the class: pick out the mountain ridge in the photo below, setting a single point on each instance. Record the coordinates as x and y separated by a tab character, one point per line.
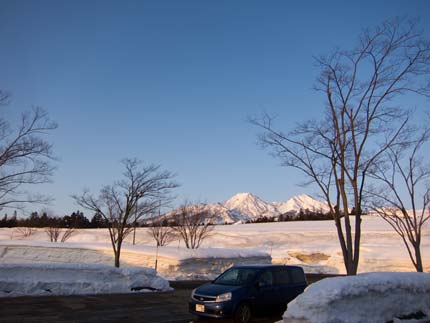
245	207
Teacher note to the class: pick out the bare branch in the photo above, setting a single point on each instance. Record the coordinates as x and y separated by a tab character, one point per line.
143	189
405	170
25	156
162	234
194	223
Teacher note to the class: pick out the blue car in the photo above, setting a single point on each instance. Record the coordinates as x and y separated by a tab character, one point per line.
242	290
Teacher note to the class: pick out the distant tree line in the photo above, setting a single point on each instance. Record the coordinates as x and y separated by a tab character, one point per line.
302	215
75	220
306	215
78	220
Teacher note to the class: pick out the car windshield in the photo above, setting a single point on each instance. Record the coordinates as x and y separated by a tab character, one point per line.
236	276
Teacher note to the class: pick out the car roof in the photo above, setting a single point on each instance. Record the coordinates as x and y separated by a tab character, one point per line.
265	266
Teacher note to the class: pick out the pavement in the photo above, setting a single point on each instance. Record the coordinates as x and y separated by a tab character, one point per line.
163	307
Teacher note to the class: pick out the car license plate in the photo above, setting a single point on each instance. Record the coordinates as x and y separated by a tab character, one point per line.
200	308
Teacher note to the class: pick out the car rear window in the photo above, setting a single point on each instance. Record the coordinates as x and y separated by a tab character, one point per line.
297	275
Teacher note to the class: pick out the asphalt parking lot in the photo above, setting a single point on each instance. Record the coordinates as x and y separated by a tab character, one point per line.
166	307
140	307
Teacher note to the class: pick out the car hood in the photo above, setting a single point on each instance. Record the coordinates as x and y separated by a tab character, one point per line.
216	289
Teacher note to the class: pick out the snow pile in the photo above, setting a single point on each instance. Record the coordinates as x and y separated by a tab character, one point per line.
166	251
173	262
73	279
371	297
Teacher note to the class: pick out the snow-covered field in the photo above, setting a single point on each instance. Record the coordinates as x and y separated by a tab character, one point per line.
371	297
312	244
315	245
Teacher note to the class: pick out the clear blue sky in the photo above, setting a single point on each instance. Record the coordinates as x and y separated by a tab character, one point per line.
172	83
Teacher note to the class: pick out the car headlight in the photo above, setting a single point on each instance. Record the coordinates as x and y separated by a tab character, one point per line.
223	297
193	292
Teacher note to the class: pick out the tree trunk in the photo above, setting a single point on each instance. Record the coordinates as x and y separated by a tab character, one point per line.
117	259
118	253
419	263
352	270
357	241
349	266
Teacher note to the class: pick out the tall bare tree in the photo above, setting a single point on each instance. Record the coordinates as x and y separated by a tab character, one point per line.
361	121
25	156
140	193
403	199
194	223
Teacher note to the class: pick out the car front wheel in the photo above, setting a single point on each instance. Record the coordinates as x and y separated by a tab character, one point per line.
243	313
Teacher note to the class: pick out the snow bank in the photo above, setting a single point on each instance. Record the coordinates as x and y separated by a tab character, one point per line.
371	297
172	262
70	279
167	251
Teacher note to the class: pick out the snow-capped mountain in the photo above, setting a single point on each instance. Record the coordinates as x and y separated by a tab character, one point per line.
244	207
303	202
250	206
222	214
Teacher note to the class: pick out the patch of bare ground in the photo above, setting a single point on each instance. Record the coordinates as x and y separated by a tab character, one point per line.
310	257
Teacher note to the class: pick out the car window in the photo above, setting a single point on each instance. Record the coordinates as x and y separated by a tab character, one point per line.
266	278
282	276
297	275
236	276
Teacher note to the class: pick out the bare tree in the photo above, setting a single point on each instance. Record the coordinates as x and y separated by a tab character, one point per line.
67	233
194	223
404	168
24	156
24	232
138	194
162	235
361	121
53	232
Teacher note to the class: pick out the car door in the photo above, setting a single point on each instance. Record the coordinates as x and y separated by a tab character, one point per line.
265	294
282	285
298	282
288	283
